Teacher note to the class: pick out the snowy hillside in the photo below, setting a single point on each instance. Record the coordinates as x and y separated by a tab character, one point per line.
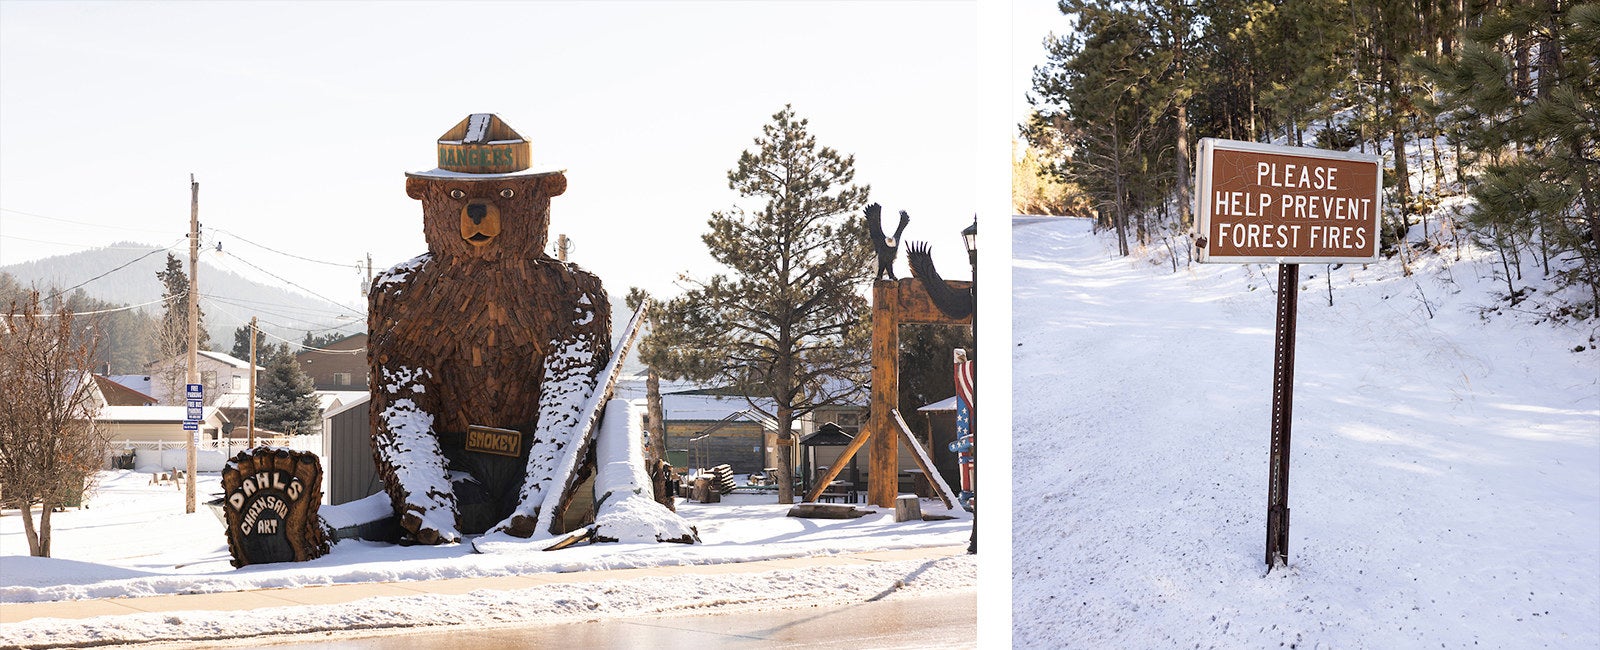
1445	477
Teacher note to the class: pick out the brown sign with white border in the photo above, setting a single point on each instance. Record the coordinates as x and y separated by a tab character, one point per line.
1287	205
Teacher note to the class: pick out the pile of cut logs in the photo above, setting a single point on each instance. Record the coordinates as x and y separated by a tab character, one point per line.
708	486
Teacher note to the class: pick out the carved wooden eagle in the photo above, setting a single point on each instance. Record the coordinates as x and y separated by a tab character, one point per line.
887	247
954	303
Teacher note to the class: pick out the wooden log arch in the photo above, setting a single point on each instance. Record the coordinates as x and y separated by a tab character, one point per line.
894	303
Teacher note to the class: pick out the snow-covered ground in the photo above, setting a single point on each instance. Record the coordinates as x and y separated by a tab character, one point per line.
1445	477
133	539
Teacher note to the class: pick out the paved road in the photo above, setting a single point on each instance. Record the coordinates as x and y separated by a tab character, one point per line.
940	621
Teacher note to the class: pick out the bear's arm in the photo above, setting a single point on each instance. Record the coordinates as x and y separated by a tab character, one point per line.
403	410
571	375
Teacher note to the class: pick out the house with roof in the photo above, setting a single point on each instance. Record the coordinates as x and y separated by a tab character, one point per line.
225	377
136	424
337	366
711	426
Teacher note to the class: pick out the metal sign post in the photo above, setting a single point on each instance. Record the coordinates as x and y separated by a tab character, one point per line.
1282	417
1261	203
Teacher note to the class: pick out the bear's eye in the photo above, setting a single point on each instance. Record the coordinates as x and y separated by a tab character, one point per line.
456	194
506	194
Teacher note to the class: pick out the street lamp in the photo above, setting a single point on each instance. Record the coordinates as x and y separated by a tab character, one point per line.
969	236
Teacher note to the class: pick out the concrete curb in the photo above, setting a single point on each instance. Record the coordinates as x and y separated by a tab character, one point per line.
344	593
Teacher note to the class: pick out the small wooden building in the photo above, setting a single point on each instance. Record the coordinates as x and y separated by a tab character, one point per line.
349	471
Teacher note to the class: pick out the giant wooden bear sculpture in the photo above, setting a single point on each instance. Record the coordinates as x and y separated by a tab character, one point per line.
483	349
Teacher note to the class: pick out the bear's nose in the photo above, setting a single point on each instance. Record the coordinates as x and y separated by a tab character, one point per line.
476	212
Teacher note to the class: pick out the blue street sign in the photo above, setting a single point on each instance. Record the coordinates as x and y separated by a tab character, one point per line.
195	391
195	413
191	425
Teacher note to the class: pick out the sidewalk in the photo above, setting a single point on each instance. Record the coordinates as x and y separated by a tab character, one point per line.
344	593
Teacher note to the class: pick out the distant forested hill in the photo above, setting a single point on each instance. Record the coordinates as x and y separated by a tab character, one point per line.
227	299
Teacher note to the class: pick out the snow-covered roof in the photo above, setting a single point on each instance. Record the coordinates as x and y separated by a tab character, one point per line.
173	414
119	394
946	404
220	357
333	399
228	359
232	401
139	383
357	399
708	407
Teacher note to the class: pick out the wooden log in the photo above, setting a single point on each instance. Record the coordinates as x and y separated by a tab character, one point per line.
907	507
838	466
924	462
913	305
883	471
826	511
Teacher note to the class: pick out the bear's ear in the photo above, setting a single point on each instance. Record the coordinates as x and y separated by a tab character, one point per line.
553	184
416	188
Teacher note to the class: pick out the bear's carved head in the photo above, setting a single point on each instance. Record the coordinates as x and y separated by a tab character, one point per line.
488	217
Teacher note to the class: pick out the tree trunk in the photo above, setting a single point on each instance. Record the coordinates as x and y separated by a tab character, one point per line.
1180	39
29	531
653	411
44	527
785	455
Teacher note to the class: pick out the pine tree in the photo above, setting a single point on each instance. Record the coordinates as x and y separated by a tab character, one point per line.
241	343
172	339
1094	93
287	396
1543	184
787	326
927	367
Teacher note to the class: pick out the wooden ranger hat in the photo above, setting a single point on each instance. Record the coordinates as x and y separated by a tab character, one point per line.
481	146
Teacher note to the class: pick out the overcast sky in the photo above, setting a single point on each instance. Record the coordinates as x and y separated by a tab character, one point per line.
299	120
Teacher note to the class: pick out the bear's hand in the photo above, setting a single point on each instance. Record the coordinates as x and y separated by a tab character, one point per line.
425	531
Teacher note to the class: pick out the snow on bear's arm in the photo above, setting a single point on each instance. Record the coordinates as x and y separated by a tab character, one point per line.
568	381
413	449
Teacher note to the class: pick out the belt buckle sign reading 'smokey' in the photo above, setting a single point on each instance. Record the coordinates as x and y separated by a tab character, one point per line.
490	440
1286	205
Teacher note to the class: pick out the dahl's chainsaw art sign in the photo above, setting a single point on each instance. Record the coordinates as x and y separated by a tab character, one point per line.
270	504
1286	205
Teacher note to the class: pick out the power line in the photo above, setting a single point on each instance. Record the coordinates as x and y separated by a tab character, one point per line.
80	223
241	302
75	245
298	257
296	317
361	350
130	263
103	311
310	327
288	282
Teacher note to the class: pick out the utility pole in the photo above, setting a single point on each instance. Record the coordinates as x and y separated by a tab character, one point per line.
561	247
194	331
253	334
365	288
